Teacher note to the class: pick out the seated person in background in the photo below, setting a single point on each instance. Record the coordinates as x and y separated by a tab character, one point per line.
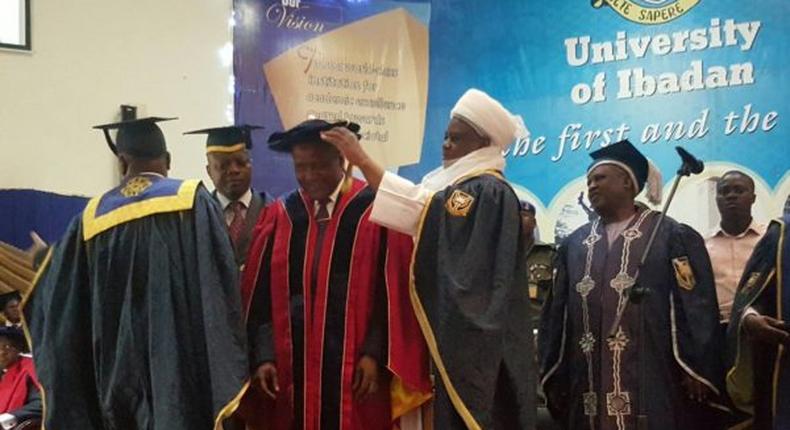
20	398
9	304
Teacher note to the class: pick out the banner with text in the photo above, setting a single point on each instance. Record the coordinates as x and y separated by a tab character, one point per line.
365	62
703	74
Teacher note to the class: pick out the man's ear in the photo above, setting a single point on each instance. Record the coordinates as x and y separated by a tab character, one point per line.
124	163
629	184
209	157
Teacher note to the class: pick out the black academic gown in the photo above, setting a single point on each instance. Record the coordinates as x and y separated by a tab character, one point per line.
241	248
471	299
135	316
592	381
758	377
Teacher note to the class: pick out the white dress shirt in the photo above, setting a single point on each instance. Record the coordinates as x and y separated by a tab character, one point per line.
10	324
330	205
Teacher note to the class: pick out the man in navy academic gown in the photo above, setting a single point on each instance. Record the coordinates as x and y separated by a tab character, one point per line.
758	337
135	317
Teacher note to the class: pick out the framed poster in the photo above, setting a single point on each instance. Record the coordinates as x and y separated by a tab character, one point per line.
15	24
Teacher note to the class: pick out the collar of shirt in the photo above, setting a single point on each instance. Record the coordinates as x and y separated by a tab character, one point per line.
754	228
245	199
153	174
330	205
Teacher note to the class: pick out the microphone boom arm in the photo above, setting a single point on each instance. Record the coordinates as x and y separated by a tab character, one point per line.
635	293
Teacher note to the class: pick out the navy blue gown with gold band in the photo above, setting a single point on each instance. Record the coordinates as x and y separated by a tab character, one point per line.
135	316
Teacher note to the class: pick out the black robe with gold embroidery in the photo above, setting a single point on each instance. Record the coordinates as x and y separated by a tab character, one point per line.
472	301
758	378
135	318
592	381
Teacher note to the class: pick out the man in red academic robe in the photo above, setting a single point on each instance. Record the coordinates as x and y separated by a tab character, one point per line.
334	343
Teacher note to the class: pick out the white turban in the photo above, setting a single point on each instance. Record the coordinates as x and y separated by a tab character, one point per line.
489	118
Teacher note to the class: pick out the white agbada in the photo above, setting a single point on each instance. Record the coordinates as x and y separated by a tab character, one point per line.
399	202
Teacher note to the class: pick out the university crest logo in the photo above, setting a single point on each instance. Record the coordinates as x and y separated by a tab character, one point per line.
649	12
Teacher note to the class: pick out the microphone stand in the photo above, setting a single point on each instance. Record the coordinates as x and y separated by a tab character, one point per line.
637	293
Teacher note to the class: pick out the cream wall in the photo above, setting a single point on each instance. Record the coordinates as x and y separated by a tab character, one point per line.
91	56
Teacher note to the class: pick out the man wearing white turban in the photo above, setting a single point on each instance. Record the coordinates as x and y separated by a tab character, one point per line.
467	267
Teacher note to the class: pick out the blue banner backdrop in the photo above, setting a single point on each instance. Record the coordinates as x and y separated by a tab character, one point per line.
704	74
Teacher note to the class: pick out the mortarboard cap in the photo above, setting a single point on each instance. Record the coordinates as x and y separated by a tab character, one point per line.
16	336
7	297
306	132
140	137
227	139
625	155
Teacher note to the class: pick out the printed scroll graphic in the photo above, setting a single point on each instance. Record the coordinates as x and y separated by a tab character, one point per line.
373	72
